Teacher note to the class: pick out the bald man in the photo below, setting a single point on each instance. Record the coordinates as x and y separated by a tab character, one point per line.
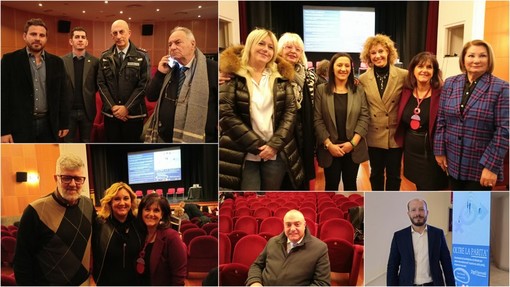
293	258
419	254
124	72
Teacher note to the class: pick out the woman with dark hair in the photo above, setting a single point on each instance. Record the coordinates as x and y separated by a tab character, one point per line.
471	139
162	259
417	115
383	84
116	238
341	122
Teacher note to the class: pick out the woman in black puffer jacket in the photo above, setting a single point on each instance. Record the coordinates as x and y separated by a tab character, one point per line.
257	117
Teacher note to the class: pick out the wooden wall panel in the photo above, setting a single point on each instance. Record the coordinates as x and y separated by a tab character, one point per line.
28	158
13	21
496	32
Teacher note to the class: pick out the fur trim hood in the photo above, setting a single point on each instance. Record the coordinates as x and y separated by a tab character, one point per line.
230	63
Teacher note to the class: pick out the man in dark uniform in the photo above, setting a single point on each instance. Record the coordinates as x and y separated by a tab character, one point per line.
122	79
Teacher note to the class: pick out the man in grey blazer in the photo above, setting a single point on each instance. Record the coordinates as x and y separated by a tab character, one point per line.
81	67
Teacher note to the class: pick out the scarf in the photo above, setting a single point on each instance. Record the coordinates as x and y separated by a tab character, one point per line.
191	109
297	84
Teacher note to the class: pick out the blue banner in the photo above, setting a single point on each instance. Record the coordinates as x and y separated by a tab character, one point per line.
471	238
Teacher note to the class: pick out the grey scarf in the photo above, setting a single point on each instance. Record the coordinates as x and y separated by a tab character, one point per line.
297	85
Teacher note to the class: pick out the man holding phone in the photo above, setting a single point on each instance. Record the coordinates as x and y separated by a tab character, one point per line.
186	90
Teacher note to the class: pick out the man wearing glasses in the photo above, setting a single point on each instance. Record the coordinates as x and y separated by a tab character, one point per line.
53	241
186	90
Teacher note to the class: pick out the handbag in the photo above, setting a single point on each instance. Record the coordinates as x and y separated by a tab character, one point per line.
150	131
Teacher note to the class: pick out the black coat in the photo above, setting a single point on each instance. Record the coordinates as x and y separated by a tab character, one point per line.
18	96
237	137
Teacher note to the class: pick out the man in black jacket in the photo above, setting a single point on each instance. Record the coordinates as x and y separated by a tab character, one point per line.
186	88
35	91
124	72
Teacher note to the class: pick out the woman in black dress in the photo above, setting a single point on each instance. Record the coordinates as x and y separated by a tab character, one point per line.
417	114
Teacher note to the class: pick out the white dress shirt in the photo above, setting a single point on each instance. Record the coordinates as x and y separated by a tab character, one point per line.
421	256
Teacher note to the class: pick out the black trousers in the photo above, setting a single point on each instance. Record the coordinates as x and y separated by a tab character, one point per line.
118	131
381	160
470	185
342	167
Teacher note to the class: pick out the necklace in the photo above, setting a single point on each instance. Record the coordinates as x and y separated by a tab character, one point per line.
140	262
381	79
415	119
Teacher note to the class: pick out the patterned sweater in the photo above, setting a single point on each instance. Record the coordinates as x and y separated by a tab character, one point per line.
53	242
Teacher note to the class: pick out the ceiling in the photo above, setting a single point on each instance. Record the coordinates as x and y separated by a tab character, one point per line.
110	11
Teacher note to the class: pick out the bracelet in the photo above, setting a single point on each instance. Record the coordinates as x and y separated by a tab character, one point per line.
353	145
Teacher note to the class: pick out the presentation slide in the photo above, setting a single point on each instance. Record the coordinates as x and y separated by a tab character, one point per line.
337	29
471	238
154	166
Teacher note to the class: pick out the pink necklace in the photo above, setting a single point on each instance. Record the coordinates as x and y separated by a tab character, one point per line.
415	119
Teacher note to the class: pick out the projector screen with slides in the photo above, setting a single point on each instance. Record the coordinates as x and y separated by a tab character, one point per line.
337	29
154	165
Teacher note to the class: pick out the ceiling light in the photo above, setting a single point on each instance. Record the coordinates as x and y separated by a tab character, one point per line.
121	12
105	2
157	10
199	6
199	16
83	11
40	4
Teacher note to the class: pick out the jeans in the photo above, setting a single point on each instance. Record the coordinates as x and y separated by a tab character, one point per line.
263	175
79	122
43	133
381	160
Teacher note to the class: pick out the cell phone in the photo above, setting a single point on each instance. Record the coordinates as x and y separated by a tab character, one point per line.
171	61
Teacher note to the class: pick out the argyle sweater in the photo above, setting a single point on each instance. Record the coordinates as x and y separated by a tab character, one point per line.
53	242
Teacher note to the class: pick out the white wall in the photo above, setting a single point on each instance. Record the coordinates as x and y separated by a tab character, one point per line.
471	14
229	11
81	151
385	213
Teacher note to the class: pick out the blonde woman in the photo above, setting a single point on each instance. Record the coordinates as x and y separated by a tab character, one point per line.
257	117
116	238
383	84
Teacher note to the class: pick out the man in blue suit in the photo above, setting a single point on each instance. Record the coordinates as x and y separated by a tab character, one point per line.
419	255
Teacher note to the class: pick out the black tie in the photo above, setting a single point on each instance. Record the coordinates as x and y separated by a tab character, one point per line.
182	77
121	57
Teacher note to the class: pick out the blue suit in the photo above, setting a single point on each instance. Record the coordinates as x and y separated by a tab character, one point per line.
401	263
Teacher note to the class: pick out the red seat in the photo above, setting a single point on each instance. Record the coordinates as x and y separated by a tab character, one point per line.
180	190
8	280
272	225
12	228
281	211
227	210
191	233
234	237
346	205
309	213
325	204
329	213
8	249
354	196
345	257
159	191
337	228
247	224
233	274
6	233
139	193
225	248
202	254
225	223
209	226
308	204
188	225
170	193
266	235
214	232
262	212
242	211
360	201
340	200
273	206
312	226
248	249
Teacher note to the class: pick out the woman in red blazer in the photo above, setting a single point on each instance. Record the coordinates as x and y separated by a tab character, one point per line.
163	258
417	114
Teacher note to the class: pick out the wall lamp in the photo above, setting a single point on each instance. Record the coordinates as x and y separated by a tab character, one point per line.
30	177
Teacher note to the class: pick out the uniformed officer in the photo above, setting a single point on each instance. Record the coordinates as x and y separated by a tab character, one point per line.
122	78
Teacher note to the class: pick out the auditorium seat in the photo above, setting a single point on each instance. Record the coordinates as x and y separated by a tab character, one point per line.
187	226
234	237
191	233
281	211
180	190
247	224
139	194
202	254
248	249
330	212
345	257
242	211
209	226
309	213
272	225
225	223
312	226
170	194
308	204
233	274
225	248
8	244
325	204
336	228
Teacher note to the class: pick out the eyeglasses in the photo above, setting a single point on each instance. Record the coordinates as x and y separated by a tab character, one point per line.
68	178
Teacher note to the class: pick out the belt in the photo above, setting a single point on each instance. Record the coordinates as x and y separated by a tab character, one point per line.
425	284
39	115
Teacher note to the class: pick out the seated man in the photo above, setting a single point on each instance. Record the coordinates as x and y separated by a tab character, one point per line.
293	258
